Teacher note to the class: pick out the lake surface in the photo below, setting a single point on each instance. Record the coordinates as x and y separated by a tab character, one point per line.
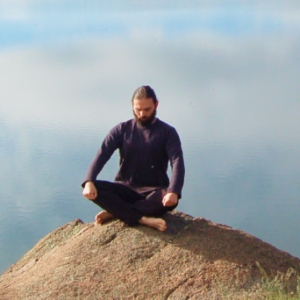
227	78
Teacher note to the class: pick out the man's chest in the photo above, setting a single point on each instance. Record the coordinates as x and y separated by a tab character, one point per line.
143	141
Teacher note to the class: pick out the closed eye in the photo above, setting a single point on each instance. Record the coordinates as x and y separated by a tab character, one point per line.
146	109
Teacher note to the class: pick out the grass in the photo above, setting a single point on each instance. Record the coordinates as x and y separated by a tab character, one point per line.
282	286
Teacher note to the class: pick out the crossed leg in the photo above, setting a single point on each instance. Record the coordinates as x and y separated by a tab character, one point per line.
120	202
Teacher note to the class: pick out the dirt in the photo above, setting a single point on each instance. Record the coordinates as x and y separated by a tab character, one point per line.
194	259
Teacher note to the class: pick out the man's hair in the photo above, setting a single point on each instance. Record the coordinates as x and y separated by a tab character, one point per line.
144	92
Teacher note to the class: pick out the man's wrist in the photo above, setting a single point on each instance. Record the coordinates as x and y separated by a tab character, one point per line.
173	193
177	193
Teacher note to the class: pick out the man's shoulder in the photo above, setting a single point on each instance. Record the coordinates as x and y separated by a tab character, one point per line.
167	130
123	125
165	125
128	122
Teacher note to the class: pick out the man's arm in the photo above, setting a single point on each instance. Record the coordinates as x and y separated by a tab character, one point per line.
175	154
108	147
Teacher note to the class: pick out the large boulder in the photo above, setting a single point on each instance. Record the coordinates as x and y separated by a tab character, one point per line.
193	259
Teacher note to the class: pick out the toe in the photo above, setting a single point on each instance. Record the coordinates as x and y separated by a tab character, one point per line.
97	218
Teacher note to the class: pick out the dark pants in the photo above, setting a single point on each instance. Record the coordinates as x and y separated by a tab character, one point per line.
127	204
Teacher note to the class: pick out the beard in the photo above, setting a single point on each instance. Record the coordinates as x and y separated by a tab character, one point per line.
145	121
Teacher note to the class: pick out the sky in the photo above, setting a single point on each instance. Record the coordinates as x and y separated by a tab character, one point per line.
48	22
226	75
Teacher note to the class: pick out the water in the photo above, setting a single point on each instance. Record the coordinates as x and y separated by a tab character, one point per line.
227	78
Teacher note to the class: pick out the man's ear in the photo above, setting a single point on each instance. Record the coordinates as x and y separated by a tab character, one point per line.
156	104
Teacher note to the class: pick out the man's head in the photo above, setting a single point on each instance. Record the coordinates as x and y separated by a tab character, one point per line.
144	104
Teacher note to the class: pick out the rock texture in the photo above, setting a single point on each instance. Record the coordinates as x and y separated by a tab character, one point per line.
193	259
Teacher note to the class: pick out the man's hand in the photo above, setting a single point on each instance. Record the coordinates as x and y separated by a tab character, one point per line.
89	191
170	199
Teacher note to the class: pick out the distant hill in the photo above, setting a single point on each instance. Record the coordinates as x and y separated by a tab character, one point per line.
193	259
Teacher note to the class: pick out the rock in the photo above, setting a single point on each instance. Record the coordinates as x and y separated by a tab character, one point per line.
193	259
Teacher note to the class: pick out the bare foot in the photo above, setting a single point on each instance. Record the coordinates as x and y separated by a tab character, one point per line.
102	217
157	223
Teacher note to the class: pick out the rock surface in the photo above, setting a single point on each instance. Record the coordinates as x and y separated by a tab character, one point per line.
193	259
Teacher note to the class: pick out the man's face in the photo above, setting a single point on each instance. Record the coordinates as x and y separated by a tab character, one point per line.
144	111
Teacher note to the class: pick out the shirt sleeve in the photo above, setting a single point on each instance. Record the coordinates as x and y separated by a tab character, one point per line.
175	154
111	142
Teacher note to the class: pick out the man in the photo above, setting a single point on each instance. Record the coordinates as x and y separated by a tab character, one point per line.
142	191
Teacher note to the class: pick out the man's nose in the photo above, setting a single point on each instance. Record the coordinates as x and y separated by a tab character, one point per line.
142	113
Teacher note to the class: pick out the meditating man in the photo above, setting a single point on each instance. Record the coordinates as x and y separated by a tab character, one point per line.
142	191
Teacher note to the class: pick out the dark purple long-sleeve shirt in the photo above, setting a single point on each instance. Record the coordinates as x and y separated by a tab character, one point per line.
144	155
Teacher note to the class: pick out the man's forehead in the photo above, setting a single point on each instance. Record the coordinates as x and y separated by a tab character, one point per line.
146	102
